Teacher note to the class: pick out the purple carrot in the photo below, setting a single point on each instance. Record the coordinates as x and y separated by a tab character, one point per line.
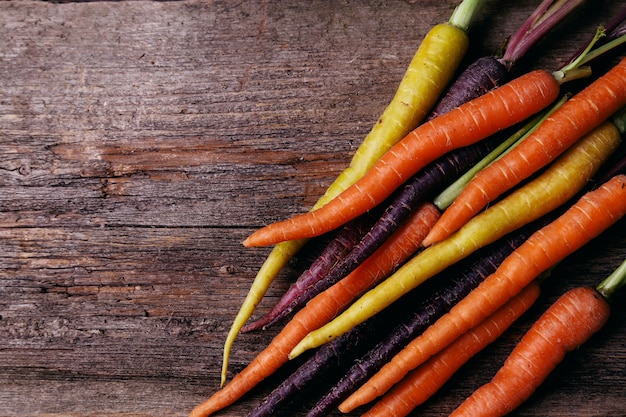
334	252
460	280
489	72
417	190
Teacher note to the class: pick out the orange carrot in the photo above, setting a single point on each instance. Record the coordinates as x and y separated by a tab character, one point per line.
588	217
566	325
570	122
426	380
404	242
467	124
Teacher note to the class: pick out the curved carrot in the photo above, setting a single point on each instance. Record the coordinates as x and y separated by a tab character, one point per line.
324	307
588	217
426	380
431	69
560	182
566	325
570	122
467	124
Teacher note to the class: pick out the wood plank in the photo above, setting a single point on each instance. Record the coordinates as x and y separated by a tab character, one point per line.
141	142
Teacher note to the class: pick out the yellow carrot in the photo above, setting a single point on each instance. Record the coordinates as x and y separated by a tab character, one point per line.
429	72
562	180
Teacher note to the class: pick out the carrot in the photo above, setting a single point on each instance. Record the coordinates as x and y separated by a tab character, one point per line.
431	69
467	124
324	307
567	324
588	217
426	380
570	122
560	182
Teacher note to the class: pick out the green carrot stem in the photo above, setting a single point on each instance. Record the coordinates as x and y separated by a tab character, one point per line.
464	13
613	282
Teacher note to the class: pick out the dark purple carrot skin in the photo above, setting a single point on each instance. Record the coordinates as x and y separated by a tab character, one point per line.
460	280
418	189
340	246
478	78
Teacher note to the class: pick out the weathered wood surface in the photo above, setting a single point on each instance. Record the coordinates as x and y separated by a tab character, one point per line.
140	142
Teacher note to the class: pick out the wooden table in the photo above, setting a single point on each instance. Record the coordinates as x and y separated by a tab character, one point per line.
140	142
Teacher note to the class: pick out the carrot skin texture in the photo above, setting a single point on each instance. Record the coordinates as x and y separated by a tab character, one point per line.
481	76
423	382
463	277
323	308
467	124
566	325
593	213
560	182
578	116
432	67
340	246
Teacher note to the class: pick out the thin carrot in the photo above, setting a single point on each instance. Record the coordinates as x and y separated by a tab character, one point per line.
568	323
324	307
467	124
431	69
422	383
570	122
560	182
588	217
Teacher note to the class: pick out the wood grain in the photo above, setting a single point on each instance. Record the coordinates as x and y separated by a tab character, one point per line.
141	142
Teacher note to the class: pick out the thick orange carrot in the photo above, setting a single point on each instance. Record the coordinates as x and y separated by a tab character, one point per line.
467	124
404	242
570	122
566	325
588	217
426	380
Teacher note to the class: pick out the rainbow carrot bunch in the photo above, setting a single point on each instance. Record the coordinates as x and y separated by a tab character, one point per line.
429	72
541	190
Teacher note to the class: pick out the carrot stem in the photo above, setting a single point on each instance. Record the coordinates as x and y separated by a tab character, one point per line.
464	13
536	26
611	284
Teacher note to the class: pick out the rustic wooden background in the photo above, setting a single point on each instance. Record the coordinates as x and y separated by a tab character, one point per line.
140	142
